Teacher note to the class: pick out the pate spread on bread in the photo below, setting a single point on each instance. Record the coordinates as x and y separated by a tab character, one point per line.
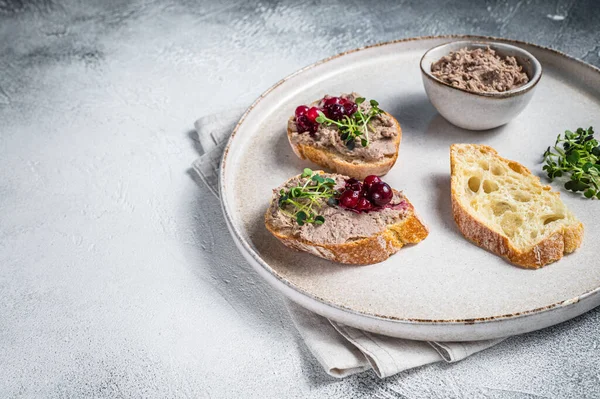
371	148
344	220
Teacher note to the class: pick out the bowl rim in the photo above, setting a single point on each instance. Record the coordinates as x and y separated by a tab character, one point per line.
537	69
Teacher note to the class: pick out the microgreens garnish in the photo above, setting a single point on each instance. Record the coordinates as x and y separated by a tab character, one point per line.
304	197
579	158
355	126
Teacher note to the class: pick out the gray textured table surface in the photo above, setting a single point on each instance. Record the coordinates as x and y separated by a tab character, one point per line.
117	275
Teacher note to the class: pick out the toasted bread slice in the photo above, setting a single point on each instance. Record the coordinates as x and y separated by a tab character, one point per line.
346	165
500	206
357	250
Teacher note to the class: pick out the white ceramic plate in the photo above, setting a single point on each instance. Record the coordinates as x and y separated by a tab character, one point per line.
444	288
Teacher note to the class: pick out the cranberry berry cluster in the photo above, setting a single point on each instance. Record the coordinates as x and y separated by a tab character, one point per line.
334	108
372	194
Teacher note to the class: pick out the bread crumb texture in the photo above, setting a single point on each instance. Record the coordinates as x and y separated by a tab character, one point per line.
506	198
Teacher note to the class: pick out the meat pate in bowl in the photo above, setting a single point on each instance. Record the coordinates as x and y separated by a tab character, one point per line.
479	85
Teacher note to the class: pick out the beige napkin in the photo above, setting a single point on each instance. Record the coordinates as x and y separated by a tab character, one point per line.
340	349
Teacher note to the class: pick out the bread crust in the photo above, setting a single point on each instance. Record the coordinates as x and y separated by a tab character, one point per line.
546	251
339	163
364	251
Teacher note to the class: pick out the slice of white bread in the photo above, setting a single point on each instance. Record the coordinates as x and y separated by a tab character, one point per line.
346	165
358	251
500	206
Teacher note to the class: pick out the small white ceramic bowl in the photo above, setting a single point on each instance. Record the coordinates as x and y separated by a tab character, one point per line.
479	111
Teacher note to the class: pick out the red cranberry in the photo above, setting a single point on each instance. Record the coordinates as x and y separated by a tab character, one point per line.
335	111
353	184
303	124
332	100
349	106
381	194
301	110
370	180
349	199
312	114
363	204
351	110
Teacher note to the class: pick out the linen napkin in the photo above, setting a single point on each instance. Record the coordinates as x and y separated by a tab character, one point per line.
341	350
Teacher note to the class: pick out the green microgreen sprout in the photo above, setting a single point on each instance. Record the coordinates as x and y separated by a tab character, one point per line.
354	126
576	155
299	202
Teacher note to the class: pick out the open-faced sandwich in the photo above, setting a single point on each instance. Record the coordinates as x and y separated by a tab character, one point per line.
343	219
500	206
346	134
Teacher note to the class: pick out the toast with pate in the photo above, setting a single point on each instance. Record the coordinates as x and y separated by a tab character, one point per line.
500	206
342	219
353	137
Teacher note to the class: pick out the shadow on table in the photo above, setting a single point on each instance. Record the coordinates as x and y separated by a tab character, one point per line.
238	284
232	277
311	369
444	203
193	136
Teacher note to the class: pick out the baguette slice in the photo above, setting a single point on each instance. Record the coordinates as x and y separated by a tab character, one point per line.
500	206
357	250
343	164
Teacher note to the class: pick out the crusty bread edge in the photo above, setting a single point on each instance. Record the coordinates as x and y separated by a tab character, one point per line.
364	251
338	163
546	251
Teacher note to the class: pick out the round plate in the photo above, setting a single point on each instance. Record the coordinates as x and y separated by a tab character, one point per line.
444	288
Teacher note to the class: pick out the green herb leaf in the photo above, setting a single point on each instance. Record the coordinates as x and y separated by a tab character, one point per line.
318	178
355	126
575	185
301	217
547	152
299	201
568	134
573	157
576	156
295	192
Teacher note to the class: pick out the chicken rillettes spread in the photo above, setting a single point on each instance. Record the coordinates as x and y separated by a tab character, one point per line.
479	70
382	132
341	225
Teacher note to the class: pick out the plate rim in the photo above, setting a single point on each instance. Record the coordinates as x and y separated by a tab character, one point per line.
259	262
